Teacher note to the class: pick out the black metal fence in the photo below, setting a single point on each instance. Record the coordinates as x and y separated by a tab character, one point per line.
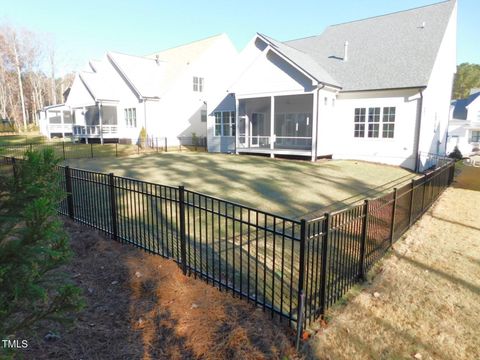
294	269
75	150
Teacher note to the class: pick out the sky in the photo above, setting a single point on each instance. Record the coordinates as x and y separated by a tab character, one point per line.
84	29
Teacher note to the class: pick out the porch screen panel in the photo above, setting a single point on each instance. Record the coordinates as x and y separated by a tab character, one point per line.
91	115
68	118
109	115
56	119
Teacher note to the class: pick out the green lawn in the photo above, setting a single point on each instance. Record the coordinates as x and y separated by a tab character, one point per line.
290	188
26	138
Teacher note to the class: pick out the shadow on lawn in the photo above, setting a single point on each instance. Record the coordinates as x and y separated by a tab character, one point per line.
290	188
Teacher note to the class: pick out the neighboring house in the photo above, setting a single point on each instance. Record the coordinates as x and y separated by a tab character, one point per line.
376	89
168	93
464	125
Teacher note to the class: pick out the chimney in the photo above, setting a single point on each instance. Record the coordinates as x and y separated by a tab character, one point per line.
345	51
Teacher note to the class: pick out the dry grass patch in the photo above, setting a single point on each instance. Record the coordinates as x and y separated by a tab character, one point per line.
424	303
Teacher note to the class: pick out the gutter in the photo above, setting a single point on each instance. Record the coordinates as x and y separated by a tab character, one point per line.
418	131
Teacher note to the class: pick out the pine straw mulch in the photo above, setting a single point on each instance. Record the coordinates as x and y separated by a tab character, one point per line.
141	306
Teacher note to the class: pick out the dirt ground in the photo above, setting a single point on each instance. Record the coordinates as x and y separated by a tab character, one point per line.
424	302
140	306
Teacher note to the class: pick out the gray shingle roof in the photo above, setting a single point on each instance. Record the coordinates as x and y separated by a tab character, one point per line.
396	50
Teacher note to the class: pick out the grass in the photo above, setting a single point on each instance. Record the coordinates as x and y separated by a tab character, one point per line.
289	188
26	138
424	299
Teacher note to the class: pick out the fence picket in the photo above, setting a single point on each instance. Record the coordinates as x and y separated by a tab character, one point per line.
295	269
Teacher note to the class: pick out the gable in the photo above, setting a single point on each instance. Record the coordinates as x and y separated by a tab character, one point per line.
79	95
270	73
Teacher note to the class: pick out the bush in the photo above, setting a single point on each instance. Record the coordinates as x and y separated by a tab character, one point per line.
33	244
456	154
143	137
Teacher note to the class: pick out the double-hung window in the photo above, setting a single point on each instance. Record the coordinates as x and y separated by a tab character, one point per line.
388	125
374	122
198	84
475	136
359	130
225	123
130	117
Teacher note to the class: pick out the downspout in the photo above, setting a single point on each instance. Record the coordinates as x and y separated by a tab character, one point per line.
316	130
417	135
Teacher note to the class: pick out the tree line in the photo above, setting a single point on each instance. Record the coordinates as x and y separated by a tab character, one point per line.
27	76
466	78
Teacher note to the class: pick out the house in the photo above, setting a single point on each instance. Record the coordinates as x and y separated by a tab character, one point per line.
168	93
376	89
464	125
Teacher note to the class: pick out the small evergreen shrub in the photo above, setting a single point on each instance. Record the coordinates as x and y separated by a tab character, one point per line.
456	154
33	244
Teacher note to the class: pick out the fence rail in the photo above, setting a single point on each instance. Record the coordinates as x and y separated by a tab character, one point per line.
294	269
74	150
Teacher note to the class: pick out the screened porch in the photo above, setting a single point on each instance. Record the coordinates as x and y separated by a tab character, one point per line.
288	131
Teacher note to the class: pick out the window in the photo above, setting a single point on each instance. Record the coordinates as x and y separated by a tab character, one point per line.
130	115
359	130
373	122
333	102
378	118
388	122
475	136
325	101
225	123
198	84
203	116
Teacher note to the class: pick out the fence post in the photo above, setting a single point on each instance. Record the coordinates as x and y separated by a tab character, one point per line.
63	148
14	169
113	205
91	150
392	226
410	210
183	247
68	186
425	179
323	273
116	149
166	147
301	280
361	263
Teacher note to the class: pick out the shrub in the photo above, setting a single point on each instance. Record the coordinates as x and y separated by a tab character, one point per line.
33	244
143	137
456	154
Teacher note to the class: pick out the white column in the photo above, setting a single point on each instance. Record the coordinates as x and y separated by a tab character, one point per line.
236	126
100	120
62	124
314	125
272	124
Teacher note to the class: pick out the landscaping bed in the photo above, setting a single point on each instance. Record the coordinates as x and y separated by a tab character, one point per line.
141	306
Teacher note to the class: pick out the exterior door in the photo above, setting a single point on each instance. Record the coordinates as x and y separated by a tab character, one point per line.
257	124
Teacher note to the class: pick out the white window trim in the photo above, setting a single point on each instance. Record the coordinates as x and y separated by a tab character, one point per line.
232	123
380	123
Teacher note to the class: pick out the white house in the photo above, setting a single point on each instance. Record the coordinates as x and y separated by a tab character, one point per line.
464	125
376	89
168	93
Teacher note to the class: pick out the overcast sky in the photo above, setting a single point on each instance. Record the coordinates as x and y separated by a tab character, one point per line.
86	29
